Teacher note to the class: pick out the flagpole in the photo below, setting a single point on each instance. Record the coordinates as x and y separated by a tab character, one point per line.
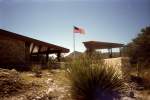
74	44
76	30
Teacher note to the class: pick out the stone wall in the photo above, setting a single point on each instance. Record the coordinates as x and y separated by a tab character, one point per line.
120	64
12	51
119	61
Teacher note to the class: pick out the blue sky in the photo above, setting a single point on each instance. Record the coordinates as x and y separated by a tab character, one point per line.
52	20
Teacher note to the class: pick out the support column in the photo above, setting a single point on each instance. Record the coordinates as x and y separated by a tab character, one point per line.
27	52
120	53
31	52
47	57
90	51
38	56
58	56
110	52
33	46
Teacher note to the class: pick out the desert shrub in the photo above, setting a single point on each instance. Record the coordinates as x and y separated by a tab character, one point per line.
138	49
145	75
37	70
91	79
52	63
147	82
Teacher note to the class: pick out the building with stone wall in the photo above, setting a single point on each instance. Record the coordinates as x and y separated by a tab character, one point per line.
16	49
12	51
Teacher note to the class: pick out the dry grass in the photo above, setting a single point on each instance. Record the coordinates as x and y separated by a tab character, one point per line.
61	84
92	79
55	80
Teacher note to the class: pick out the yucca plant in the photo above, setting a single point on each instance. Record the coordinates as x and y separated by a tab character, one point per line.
91	79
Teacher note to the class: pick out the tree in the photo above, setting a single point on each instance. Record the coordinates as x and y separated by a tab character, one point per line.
139	48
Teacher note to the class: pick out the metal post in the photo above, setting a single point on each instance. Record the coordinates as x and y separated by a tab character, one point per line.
74	44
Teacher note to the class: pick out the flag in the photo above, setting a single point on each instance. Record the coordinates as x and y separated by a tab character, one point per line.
78	30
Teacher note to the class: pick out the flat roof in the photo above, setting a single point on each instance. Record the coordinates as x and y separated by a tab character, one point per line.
31	40
101	45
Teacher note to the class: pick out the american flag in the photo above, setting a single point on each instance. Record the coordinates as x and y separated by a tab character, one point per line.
78	30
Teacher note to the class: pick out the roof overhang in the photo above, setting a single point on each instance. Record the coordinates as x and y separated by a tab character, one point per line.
35	41
101	45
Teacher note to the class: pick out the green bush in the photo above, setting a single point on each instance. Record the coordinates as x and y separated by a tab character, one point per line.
145	75
51	62
138	49
91	79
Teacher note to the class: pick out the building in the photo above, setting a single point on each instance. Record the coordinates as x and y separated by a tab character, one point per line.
16	49
94	45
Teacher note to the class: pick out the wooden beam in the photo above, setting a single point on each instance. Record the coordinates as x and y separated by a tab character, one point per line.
38	55
47	55
32	48
39	49
49	51
27	52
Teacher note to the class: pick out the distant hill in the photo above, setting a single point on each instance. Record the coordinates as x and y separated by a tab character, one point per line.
77	53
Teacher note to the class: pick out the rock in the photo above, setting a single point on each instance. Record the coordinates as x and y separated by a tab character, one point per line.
10	82
49	81
38	74
128	98
50	90
131	94
13	70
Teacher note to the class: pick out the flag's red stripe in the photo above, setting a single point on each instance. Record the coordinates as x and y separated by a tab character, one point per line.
78	30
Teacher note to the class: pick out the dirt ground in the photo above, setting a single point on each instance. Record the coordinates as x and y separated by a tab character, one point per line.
54	85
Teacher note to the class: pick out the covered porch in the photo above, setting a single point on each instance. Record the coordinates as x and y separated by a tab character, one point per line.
41	53
38	51
91	46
